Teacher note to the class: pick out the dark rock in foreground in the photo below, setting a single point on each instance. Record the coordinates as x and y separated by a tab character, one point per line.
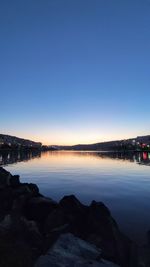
71	251
38	208
31	225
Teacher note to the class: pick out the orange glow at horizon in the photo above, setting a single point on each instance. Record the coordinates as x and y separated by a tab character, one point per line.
86	135
70	140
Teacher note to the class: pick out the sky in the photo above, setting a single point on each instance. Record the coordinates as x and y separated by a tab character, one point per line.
74	71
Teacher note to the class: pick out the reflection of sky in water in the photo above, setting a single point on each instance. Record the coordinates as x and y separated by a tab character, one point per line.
121	183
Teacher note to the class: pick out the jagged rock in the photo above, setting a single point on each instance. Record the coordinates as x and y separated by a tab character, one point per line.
21	203
71	204
31	233
20	196
100	209
71	251
5	177
19	236
38	208
34	189
6	223
93	224
21	228
100	222
69	211
56	219
15	254
25	191
14	180
6	200
75	213
103	231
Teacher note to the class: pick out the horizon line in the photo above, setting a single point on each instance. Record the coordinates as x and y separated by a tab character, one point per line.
77	143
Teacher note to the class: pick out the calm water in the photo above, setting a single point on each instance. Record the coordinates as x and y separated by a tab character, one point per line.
122	182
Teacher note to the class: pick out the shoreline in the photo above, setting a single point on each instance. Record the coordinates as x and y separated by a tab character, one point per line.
38	222
82	150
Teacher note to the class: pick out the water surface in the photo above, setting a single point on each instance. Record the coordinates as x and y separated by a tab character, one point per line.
121	181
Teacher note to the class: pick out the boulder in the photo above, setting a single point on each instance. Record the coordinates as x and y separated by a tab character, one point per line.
6	223
14	180
38	208
5	177
100	209
56	219
71	204
36	222
75	214
71	251
100	221
31	233
21	228
6	200
34	189
15	254
70	211
20	241
26	189
103	231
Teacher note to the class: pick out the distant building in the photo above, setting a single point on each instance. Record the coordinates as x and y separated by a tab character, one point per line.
143	139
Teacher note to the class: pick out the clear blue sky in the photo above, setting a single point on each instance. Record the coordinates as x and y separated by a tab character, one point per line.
75	71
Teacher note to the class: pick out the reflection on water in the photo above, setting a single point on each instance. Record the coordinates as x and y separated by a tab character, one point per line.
121	181
10	157
138	157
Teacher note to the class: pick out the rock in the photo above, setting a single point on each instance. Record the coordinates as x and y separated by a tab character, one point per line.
33	223
56	219
67	217
71	204
99	220
100	209
93	224
34	189
38	208
20	230
55	225
13	254
70	211
6	200
23	193
14	180
23	189
5	177
75	213
31	233
6	223
20	240
71	251
103	231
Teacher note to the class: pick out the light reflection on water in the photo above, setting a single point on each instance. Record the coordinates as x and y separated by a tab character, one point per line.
121	181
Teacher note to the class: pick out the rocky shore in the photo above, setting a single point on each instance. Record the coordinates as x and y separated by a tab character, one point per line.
37	231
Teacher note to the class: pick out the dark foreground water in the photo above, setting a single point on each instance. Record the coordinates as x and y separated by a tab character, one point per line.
122	182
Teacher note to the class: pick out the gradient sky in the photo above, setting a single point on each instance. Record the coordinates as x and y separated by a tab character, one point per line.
75	71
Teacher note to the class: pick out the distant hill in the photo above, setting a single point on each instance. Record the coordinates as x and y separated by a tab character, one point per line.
138	143
8	141
127	144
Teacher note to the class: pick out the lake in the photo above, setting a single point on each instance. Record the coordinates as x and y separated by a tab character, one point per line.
121	181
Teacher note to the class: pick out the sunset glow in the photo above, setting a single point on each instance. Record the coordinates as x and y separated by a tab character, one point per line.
75	71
